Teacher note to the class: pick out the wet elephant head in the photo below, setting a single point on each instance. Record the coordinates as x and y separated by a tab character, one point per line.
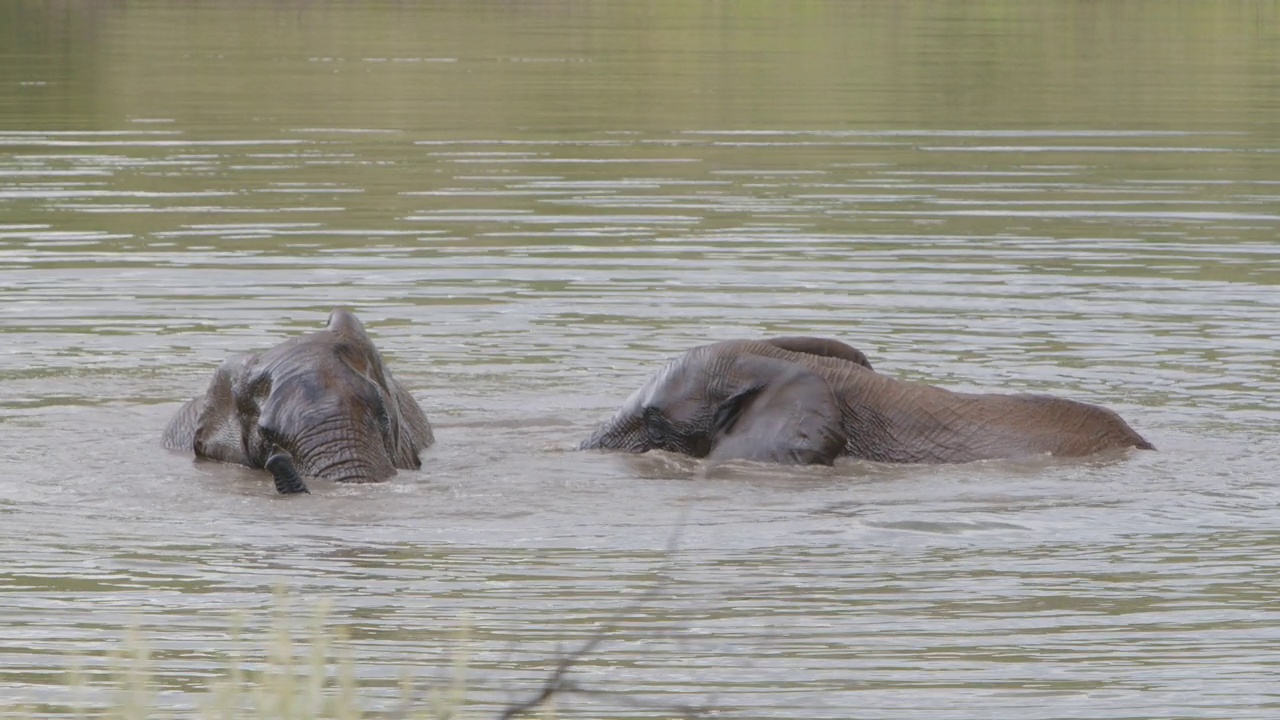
321	405
738	400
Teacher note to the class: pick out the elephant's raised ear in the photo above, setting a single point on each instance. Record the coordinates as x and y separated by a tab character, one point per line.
822	347
730	411
218	432
414	434
788	415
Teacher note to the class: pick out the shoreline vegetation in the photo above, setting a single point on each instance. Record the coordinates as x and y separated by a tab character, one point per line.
283	672
292	670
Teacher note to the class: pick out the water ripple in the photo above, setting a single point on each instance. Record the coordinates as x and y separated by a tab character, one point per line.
522	307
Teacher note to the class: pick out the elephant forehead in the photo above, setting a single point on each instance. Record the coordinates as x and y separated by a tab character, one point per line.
295	374
304	388
311	357
314	380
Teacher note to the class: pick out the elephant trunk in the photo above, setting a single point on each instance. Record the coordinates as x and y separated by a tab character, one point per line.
595	442
622	432
282	469
616	434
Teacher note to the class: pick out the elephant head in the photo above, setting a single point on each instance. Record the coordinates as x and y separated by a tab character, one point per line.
809	401
320	405
740	399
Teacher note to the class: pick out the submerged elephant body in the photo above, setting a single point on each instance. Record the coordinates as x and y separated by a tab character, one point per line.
321	405
810	400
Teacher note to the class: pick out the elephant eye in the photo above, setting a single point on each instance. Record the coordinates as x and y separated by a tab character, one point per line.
655	425
269	437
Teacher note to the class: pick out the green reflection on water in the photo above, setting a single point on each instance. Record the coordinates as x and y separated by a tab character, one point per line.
459	69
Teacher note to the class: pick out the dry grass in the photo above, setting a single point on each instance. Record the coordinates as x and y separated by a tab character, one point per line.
281	673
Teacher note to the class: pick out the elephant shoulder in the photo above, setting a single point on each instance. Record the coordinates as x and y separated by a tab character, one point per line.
1095	426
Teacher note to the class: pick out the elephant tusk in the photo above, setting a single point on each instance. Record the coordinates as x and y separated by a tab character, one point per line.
282	469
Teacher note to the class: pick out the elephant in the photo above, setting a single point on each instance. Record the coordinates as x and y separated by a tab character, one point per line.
802	401
320	405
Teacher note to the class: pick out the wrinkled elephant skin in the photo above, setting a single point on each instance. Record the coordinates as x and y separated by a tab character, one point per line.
321	405
799	400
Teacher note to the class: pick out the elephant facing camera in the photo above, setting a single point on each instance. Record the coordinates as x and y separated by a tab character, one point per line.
321	405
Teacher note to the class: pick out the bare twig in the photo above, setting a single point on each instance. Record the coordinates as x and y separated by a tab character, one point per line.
557	682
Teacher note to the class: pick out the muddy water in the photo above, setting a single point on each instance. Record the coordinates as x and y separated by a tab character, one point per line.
532	207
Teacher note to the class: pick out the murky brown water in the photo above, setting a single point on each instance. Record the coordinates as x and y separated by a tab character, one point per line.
532	206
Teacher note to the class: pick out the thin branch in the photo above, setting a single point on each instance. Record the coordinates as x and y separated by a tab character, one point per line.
557	682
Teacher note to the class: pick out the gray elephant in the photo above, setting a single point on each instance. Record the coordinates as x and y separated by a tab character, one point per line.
320	405
811	400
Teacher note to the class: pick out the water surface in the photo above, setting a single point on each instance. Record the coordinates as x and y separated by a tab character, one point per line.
532	207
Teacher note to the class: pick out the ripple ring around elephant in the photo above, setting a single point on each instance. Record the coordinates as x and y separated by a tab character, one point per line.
799	400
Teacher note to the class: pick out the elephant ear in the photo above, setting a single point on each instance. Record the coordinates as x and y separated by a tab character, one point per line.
415	433
218	431
788	415
822	347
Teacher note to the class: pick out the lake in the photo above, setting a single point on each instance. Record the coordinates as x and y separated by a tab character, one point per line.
532	206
